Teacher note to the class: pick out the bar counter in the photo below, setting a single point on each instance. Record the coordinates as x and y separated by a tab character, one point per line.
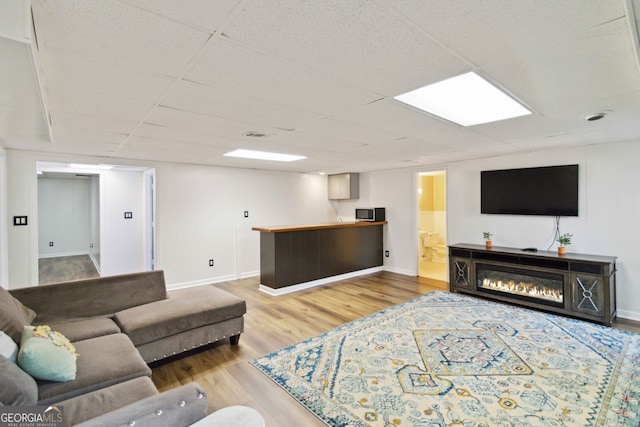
301	254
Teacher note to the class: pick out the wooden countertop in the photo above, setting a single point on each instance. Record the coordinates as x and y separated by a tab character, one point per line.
284	228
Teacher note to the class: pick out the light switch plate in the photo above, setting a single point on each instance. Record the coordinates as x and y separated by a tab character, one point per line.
20	220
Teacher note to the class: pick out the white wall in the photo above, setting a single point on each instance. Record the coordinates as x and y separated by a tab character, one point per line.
63	216
122	242
607	224
4	221
200	216
200	213
120	192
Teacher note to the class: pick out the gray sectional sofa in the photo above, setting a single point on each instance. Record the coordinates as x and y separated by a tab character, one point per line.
118	325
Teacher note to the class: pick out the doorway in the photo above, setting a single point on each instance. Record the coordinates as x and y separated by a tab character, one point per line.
432	225
68	226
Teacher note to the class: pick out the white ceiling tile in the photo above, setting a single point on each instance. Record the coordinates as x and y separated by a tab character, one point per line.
359	41
396	117
97	106
204	14
73	74
486	31
12	19
575	75
98	124
185	81
116	33
234	105
208	125
348	131
230	66
62	134
22	112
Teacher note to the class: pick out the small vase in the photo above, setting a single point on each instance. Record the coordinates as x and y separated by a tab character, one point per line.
562	250
488	244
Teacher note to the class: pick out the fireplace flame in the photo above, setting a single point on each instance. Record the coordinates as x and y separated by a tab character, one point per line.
525	289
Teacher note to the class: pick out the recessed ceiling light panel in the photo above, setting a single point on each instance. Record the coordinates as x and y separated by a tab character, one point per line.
467	100
264	155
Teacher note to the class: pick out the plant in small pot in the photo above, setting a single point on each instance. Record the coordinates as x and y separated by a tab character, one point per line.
564	240
487	239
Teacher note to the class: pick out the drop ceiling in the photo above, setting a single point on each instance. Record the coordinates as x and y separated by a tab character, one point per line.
187	81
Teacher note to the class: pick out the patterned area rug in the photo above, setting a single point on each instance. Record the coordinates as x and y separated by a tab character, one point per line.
451	360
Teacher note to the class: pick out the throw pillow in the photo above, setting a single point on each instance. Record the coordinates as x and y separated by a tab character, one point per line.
13	315
46	354
8	348
18	388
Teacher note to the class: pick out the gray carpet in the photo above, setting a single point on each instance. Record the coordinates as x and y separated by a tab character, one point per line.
62	269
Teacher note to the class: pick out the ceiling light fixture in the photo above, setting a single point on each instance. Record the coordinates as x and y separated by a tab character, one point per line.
87	166
264	155
467	100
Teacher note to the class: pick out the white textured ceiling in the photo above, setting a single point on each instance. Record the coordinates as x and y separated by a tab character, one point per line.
186	80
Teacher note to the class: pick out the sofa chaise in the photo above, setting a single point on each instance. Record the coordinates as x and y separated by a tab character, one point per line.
118	325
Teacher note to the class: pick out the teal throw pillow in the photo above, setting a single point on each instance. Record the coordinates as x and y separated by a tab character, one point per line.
47	355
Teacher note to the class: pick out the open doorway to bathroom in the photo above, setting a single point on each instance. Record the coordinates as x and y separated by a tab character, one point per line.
432	225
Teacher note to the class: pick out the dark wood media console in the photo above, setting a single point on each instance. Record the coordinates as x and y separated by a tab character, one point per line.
576	285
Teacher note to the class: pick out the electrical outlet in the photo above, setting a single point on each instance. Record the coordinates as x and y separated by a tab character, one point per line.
210	263
246	214
386	253
51	244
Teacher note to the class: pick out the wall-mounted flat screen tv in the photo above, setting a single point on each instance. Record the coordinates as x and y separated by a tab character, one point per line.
549	190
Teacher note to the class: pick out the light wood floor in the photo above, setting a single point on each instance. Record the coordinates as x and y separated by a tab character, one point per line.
275	322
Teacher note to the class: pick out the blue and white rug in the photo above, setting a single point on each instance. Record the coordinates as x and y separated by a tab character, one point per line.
447	359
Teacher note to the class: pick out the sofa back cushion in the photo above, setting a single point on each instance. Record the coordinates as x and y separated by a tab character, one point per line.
100	296
14	316
18	388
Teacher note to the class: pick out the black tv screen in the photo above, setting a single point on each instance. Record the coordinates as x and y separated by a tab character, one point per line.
550	190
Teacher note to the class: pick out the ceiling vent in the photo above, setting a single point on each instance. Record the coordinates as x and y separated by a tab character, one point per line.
252	134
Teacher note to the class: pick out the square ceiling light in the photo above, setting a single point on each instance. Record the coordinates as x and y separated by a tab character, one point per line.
467	100
264	155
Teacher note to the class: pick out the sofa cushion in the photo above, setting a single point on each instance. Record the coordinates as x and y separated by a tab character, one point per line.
90	405
13	315
184	310
8	347
93	297
46	354
18	387
103	361
84	329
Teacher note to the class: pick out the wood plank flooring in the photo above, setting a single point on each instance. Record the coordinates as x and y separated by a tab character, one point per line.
275	322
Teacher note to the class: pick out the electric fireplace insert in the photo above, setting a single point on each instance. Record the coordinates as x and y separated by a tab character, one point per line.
538	286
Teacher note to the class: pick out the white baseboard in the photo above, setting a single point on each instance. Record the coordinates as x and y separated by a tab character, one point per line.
58	255
95	264
312	284
211	280
628	314
400	271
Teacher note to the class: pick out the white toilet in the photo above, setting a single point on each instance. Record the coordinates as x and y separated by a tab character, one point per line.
431	247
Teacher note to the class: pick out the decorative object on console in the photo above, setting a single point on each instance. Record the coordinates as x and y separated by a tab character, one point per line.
564	240
445	359
487	239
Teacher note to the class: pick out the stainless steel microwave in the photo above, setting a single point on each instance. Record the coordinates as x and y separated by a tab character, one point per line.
370	214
